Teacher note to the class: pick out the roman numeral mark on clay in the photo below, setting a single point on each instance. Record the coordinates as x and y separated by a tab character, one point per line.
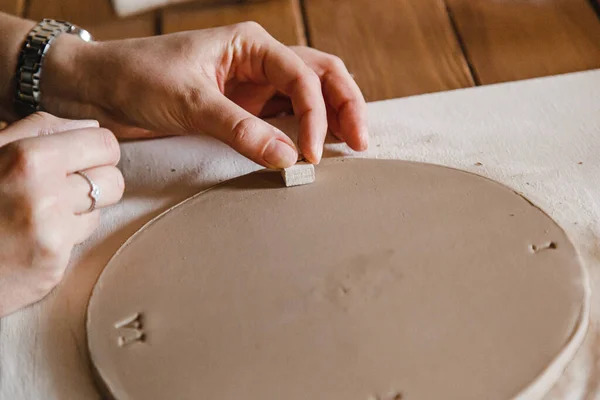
130	329
544	246
393	395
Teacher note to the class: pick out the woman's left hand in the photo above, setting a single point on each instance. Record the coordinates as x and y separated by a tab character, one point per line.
217	81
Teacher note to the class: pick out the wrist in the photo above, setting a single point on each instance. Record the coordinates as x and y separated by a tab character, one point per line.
64	84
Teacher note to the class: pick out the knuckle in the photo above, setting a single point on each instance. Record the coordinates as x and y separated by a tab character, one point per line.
109	142
312	79
336	63
242	132
27	158
252	27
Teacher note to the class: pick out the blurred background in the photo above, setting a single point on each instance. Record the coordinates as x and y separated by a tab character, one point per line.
394	48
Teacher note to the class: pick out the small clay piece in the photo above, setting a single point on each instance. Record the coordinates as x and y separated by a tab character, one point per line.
382	280
301	173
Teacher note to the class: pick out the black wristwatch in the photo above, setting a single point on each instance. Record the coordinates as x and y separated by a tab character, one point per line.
31	60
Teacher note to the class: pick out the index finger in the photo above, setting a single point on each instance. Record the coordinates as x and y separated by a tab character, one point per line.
78	150
286	71
342	94
41	124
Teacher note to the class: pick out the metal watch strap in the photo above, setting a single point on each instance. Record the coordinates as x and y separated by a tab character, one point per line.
31	59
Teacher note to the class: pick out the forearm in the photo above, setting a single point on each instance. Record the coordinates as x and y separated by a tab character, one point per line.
13	31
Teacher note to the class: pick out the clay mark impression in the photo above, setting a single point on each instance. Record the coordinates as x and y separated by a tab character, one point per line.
546	246
390	396
358	280
130	329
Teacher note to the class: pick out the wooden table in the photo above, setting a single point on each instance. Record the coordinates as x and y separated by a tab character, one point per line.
395	48
540	137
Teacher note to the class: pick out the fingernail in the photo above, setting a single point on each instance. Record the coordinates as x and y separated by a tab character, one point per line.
279	154
319	154
364	139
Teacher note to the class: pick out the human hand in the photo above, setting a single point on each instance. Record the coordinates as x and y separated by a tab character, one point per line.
44	203
217	81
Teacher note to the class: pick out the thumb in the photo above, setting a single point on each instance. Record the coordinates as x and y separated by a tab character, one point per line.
245	133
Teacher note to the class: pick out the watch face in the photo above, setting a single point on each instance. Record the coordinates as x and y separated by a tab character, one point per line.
82	33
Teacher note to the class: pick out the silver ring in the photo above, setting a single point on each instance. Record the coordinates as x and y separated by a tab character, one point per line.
94	190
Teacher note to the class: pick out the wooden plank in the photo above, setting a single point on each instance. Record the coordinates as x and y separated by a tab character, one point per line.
138	26
14	7
394	48
95	15
511	40
126	8
281	18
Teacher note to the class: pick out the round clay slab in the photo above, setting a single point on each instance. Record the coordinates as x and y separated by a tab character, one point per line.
382	280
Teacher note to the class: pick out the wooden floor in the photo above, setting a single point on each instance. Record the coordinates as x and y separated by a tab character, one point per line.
394	48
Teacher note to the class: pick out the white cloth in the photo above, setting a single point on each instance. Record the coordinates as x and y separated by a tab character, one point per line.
125	8
540	137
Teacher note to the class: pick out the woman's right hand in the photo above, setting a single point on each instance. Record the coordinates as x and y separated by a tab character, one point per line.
44	202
